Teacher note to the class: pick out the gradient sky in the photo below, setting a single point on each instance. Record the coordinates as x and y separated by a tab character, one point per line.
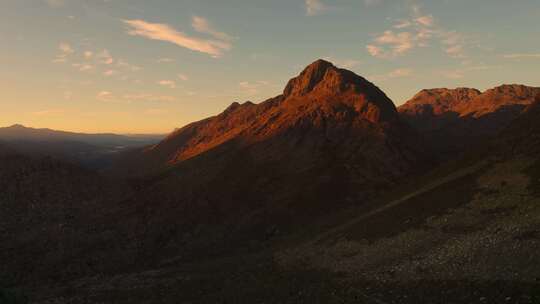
139	66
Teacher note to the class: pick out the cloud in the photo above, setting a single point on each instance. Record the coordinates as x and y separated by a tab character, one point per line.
391	44
65	50
315	7
127	66
402	24
109	73
521	56
397	73
202	25
167	83
68	95
461	73
148	97
109	97
252	88
183	77
51	112
425	20
105	96
164	32
105	57
454	44
399	42
375	51
344	63
83	67
165	60
417	31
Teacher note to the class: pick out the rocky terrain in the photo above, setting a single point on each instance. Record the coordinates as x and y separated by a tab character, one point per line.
324	194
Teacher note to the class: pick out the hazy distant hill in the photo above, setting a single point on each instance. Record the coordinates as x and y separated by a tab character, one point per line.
89	149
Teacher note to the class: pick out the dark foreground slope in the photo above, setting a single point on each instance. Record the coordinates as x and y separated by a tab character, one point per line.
58	221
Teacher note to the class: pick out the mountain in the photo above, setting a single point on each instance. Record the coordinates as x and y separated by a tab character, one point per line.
93	150
454	120
321	108
22	133
331	140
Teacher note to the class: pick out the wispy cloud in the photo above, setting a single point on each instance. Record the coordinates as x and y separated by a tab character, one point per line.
252	88
110	97
417	31
315	7
183	77
109	73
83	67
65	50
105	57
202	25
164	32
165	60
50	112
397	73
522	56
391	44
462	72
344	63
167	83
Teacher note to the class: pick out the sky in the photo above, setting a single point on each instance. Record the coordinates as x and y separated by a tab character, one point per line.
139	66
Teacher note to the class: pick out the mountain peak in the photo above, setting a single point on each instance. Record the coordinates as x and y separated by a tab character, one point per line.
310	77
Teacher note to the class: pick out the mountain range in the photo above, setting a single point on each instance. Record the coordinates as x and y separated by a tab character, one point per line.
327	193
92	150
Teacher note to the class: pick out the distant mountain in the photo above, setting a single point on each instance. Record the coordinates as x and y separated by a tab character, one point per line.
89	149
22	133
454	120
